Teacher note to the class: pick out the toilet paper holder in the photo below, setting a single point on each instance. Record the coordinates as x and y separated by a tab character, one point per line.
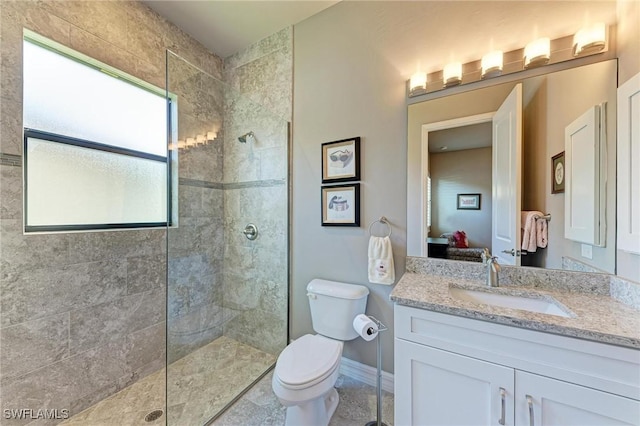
381	326
370	331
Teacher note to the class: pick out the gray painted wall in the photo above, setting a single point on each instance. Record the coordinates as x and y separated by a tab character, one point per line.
344	87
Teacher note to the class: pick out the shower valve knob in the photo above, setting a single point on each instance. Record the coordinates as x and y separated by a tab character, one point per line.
250	231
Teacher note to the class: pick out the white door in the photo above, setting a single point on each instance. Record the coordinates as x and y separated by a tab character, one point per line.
541	401
442	388
507	178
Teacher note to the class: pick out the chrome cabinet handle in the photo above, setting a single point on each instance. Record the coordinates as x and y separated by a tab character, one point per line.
503	394
530	403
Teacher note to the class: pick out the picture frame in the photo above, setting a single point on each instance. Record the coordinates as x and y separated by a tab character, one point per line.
340	205
469	201
341	160
557	173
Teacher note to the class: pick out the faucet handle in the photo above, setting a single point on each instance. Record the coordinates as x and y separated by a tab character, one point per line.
486	255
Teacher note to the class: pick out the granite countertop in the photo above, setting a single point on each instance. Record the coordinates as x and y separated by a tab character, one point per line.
593	316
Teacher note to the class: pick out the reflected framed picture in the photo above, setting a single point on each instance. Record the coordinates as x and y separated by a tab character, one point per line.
469	201
557	173
341	205
341	160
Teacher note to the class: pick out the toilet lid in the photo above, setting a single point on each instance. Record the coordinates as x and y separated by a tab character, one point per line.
309	358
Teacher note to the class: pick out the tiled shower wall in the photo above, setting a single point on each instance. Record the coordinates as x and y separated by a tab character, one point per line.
82	314
256	190
196	243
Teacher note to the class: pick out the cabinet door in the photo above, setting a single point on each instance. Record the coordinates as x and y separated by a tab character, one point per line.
555	403
435	387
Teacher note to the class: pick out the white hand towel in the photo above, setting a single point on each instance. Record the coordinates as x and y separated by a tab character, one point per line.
529	237
381	269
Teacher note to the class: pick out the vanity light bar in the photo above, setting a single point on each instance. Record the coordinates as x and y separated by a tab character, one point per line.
591	40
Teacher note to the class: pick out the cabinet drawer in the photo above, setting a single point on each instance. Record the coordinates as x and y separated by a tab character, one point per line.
609	368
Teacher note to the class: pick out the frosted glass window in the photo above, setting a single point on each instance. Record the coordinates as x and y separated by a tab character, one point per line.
67	97
95	144
70	185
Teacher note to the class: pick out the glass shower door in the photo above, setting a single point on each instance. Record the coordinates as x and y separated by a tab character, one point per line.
227	255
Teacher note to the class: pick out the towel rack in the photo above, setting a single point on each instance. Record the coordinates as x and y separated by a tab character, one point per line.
546	217
383	220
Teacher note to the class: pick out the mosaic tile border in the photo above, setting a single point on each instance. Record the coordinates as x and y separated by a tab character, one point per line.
12	160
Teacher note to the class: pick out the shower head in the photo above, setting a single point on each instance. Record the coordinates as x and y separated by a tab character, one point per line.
244	137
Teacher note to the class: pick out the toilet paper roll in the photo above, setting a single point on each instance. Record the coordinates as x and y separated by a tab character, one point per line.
365	327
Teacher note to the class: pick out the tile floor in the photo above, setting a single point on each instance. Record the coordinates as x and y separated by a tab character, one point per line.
200	385
203	382
260	407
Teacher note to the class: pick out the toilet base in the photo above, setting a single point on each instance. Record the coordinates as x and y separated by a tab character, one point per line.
316	412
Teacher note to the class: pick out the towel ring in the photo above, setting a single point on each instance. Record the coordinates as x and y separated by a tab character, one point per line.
384	221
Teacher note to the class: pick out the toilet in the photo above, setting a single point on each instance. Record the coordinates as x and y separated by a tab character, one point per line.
308	368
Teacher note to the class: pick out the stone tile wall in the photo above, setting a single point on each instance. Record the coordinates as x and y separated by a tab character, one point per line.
82	315
196	243
256	191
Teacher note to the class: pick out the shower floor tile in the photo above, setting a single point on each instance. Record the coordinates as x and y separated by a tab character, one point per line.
200	385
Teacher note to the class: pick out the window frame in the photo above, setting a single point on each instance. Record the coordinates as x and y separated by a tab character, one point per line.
34	38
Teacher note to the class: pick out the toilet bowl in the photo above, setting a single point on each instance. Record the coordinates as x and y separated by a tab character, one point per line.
304	379
307	369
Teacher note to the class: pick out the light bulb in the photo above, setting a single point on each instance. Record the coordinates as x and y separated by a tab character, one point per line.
537	53
418	82
452	74
492	64
589	40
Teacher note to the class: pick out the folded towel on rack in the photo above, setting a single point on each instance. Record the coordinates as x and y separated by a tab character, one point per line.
381	269
542	233
534	230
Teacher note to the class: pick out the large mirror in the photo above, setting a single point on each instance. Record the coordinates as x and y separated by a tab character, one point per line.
481	162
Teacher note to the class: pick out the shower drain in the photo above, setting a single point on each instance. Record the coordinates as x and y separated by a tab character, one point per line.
154	415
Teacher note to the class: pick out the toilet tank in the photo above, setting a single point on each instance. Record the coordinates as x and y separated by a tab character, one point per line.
334	305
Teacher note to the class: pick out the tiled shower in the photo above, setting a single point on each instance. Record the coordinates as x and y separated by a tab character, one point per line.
92	317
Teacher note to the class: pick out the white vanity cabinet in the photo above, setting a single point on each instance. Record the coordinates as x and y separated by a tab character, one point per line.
451	370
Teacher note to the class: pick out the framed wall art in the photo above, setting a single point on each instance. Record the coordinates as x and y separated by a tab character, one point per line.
341	205
557	173
341	160
469	201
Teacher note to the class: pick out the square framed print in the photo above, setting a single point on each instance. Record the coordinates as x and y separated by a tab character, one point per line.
341	205
557	173
341	160
469	201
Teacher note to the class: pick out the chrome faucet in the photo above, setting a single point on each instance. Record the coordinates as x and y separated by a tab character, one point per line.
491	262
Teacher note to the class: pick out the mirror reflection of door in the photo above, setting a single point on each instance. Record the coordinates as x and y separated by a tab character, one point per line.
507	179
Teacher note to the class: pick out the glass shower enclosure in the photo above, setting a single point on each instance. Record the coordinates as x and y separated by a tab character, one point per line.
227	244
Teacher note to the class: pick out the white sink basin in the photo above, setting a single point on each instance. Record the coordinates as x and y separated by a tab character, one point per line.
508	301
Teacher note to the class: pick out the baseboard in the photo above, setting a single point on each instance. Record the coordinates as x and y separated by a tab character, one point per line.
365	374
